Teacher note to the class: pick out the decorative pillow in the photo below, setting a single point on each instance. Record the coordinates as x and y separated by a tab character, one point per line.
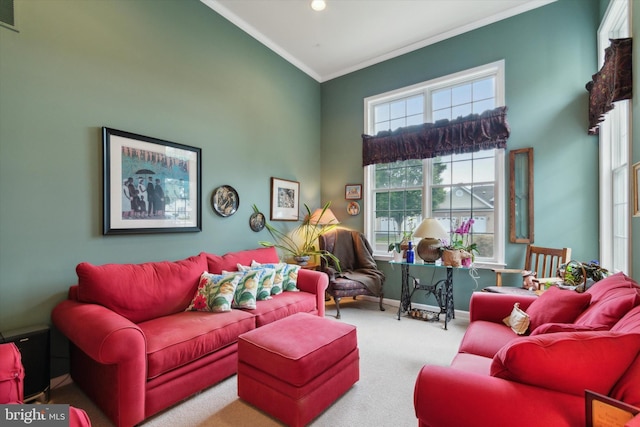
518	320
291	278
557	306
265	283
215	292
570	362
549	328
610	308
247	290
278	278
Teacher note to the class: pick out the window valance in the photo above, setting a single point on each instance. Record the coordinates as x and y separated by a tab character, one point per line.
612	83
463	135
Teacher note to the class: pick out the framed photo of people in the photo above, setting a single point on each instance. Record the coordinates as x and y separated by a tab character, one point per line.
285	200
149	185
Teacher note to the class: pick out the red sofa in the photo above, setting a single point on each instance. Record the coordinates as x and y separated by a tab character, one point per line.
500	378
135	350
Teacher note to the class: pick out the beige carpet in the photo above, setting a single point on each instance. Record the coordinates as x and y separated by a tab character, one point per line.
391	354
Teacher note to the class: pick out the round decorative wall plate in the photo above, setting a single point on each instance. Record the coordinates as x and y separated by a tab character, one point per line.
256	221
225	200
353	208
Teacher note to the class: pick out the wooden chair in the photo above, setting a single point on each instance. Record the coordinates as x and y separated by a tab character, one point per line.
543	261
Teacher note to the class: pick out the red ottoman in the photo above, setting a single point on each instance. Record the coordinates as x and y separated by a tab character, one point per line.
295	368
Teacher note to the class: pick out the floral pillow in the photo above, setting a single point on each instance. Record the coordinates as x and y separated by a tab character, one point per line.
247	289
215	293
291	278
265	283
278	278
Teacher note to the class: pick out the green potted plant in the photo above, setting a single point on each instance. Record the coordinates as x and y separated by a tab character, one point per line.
302	242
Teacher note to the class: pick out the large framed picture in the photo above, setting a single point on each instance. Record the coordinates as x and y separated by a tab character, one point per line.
285	199
149	185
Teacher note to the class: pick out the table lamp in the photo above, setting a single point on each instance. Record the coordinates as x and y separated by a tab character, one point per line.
431	232
318	218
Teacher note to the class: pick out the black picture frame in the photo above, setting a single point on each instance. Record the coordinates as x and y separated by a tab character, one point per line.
285	199
131	206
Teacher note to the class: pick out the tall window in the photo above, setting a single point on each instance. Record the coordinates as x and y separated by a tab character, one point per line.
615	137
450	188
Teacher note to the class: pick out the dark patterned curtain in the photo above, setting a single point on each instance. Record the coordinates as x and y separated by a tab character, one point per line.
612	83
462	135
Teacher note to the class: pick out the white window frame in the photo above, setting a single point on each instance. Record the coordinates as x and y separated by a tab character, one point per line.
492	69
615	24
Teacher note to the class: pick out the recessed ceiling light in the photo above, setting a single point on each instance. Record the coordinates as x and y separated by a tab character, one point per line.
318	5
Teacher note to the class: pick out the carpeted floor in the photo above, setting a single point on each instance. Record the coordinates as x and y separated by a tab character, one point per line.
391	354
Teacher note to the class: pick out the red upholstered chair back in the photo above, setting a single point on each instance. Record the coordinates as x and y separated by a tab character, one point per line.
11	374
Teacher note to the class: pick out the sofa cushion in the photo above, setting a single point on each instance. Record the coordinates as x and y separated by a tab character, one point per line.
550	328
630	322
141	292
570	362
215	293
291	278
279	278
485	338
557	306
176	340
611	298
284	305
230	261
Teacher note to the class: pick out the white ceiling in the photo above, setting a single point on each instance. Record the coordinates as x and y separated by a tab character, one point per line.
352	34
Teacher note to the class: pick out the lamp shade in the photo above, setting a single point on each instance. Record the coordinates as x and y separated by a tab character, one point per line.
318	218
431	232
431	227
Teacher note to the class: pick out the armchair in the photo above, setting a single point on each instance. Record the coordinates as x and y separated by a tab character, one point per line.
357	274
543	261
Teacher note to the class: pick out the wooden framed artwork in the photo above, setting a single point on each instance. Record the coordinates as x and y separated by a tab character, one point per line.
353	191
603	411
149	185
636	189
285	200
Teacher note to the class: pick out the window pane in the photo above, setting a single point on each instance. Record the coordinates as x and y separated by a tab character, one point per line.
482	106
441	99
461	94
415	120
397	109
415	105
381	126
397	123
461	111
484	89
461	171
381	113
441	114
484	170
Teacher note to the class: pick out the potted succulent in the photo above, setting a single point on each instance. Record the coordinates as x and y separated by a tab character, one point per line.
302	242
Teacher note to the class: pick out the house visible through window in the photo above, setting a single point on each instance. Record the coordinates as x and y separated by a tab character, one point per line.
453	188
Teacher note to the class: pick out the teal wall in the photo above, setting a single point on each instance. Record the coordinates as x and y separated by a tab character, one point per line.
550	54
171	69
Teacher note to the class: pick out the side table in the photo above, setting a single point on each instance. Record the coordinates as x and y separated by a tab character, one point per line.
442	290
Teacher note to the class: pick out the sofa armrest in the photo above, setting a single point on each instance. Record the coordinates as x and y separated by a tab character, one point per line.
103	335
494	307
315	283
448	397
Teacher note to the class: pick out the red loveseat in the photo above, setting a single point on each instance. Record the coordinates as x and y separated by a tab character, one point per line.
135	350
500	378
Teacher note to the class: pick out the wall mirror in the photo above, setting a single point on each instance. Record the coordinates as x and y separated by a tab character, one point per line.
521	195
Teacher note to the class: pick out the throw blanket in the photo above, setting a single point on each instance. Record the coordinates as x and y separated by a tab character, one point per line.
356	258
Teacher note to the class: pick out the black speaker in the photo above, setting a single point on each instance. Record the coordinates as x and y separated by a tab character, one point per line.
33	343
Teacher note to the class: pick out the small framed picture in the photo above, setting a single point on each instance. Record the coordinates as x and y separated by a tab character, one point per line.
353	191
603	411
285	199
353	208
636	189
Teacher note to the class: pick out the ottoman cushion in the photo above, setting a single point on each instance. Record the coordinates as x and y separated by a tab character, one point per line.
298	348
